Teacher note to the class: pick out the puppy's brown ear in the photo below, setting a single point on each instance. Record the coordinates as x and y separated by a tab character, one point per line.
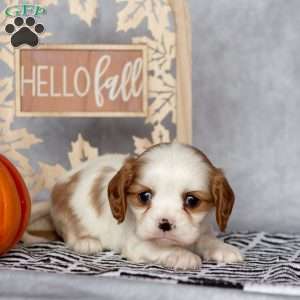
223	197
117	189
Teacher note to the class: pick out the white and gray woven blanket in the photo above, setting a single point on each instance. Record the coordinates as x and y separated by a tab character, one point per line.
272	264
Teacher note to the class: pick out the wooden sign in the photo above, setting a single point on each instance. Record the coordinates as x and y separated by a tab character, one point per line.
82	81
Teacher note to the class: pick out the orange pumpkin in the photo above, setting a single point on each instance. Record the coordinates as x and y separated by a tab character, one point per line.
15	205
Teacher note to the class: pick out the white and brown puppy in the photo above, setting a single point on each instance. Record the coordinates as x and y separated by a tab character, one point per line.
152	208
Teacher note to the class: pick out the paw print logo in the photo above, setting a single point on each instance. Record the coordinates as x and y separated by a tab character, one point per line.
24	33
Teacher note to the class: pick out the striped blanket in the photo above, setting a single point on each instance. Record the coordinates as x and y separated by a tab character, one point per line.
272	264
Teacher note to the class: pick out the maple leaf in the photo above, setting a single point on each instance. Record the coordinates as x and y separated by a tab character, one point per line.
50	174
163	91
161	52
158	17
35	183
7	57
132	15
160	108
160	134
6	88
81	151
12	141
6	49
156	13
21	139
7	113
86	10
141	144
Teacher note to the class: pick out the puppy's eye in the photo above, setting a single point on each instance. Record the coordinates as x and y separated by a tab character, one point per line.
145	197
191	201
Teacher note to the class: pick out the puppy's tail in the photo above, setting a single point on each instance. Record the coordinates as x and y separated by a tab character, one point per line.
40	211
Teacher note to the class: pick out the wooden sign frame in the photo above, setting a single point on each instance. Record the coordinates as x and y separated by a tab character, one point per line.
169	115
57	47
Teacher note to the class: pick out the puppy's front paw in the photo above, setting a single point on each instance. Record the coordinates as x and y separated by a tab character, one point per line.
181	259
86	245
223	253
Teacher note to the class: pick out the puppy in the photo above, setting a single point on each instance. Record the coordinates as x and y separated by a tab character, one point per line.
152	208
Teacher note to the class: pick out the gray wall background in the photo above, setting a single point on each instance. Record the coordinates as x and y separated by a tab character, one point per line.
246	111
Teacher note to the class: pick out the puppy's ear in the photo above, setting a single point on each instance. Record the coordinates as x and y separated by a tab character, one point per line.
117	189
223	197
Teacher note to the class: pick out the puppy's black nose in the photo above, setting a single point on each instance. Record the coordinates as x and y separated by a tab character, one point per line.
165	225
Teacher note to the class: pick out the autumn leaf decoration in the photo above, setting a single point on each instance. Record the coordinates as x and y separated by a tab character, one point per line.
85	9
81	151
162	103
161	55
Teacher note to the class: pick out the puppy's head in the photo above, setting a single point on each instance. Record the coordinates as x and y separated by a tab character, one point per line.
170	189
